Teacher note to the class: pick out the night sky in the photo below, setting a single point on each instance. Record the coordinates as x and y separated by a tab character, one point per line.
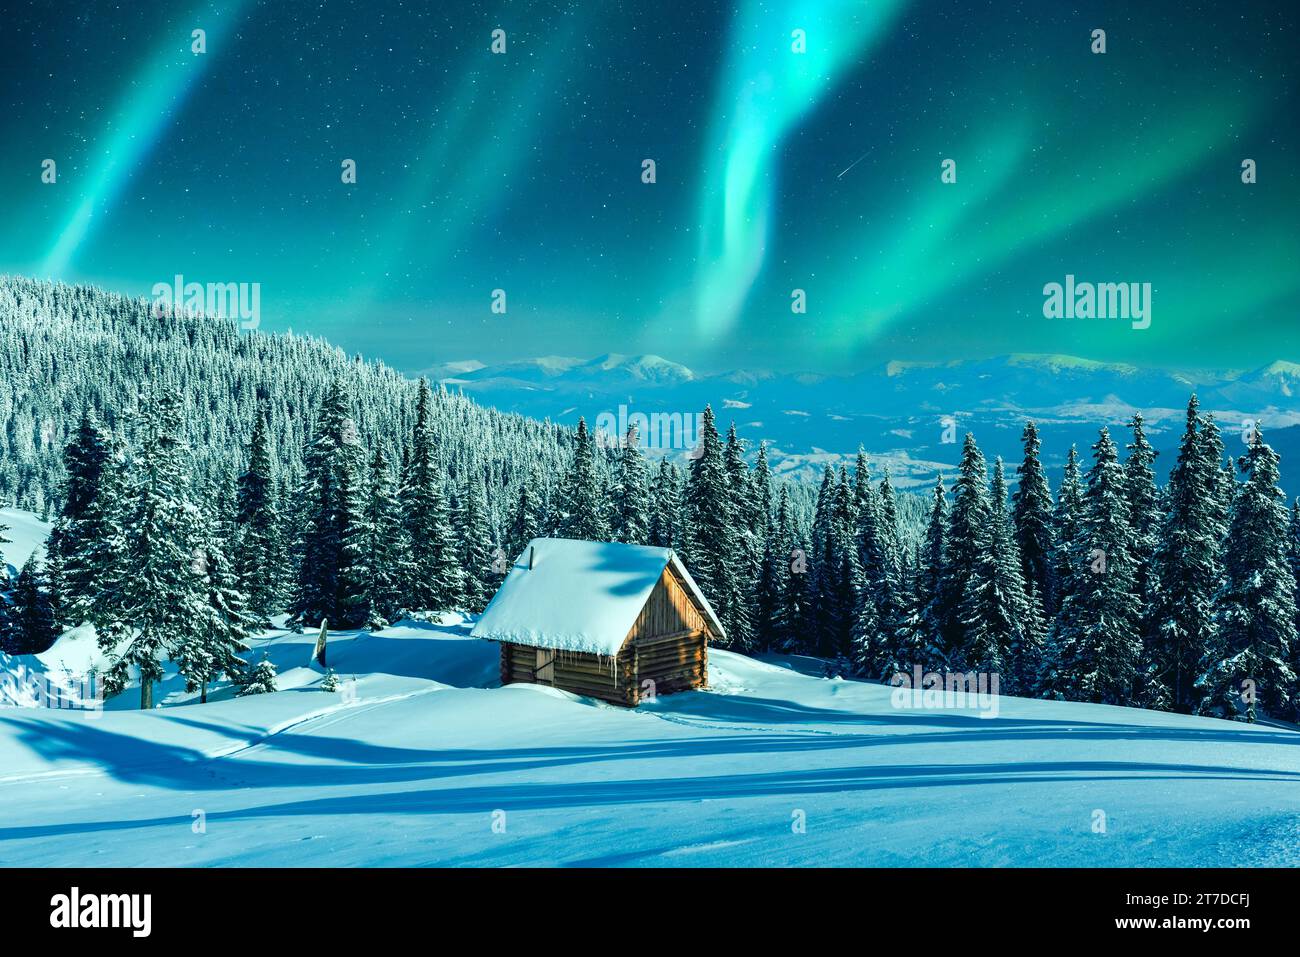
775	171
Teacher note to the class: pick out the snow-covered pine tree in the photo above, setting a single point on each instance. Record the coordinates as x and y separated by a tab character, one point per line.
931	602
966	543
77	541
1098	637
211	649
1219	473
351	608
994	609
6	638
525	520
918	635
1032	514
328	580
435	579
1251	669
30	619
747	541
841	580
579	505
1144	507
631	492
1065	521
666	500
259	678
890	539
257	548
1188	570
477	547
762	485
875	610
150	601
384	545
709	530
1293	551
769	627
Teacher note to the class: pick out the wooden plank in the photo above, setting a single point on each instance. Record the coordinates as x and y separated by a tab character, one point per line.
651	642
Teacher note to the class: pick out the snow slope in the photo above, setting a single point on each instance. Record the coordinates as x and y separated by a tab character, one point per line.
415	763
26	534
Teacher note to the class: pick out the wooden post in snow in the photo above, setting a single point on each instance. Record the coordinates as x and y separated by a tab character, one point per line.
319	654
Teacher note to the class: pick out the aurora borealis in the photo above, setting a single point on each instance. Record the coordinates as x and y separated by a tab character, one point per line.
775	171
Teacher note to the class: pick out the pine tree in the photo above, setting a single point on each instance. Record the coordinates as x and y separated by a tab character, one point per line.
258	548
1219	474
259	679
1034	526
580	510
1293	550
477	548
762	487
631	493
150	600
709	533
329	576
918	635
876	606
435	581
966	544
384	547
31	624
223	629
889	533
1252	666
667	504
769	628
746	540
995	610
77	543
1098	636
6	639
1188	570
526	522
1066	523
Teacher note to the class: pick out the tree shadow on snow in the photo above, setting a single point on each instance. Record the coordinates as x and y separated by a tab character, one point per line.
613	793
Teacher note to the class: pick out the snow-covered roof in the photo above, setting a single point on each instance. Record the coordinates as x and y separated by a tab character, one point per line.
581	596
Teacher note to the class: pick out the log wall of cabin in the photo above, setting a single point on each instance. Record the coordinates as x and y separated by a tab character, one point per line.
597	676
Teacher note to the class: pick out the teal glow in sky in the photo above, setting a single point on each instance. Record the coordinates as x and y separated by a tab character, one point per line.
776	170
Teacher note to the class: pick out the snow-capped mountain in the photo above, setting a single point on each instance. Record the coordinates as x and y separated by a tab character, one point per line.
910	415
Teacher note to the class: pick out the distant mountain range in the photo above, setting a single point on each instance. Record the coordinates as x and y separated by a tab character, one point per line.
905	414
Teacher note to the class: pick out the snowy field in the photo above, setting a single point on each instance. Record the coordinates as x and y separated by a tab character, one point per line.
424	760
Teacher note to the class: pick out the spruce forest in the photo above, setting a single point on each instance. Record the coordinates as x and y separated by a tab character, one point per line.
202	480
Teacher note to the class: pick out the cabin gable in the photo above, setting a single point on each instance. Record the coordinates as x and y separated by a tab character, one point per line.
668	611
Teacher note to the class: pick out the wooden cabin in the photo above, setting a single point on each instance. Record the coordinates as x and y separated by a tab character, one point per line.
617	622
